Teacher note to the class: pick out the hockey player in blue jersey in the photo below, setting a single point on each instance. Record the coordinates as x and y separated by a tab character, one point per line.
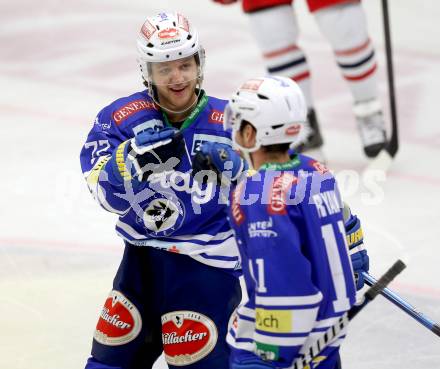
176	286
289	225
292	240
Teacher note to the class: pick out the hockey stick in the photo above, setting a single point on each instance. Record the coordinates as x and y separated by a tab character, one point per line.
405	306
316	347
385	157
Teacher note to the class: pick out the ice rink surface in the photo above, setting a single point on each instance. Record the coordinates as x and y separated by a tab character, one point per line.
61	62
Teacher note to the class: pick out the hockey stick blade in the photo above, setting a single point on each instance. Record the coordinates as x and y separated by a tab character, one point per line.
405	306
311	351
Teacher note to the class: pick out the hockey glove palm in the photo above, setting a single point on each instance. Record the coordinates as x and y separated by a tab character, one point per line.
148	152
358	253
226	163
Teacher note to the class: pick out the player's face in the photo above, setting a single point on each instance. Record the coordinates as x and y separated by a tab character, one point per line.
175	82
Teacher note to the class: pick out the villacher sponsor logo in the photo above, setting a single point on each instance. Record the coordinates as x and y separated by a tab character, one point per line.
173	338
114	319
187	337
120	321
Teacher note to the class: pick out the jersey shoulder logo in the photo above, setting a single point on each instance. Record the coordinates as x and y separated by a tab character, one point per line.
131	108
237	211
319	167
215	117
278	193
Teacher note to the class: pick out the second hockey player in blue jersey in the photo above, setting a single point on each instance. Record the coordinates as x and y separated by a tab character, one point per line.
289	225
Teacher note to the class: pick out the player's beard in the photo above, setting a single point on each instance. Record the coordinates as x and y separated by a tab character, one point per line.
177	98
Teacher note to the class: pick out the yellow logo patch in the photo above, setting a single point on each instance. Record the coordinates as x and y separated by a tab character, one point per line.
355	237
275	321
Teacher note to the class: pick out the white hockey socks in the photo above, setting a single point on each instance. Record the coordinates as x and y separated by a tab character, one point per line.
276	32
345	26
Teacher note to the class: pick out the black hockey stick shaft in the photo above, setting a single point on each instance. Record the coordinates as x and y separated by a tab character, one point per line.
393	144
405	306
316	347
377	287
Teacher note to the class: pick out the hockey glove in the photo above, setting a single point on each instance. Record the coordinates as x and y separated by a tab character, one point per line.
355	241
146	153
251	364
220	158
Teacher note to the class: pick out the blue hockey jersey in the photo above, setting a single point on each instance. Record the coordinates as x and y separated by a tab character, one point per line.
171	211
289	227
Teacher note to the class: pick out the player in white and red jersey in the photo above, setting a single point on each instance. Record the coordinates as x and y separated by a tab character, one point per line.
343	22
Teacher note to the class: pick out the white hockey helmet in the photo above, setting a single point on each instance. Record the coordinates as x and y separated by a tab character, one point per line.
274	105
167	37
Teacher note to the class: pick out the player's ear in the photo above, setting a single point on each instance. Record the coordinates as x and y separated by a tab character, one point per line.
249	135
